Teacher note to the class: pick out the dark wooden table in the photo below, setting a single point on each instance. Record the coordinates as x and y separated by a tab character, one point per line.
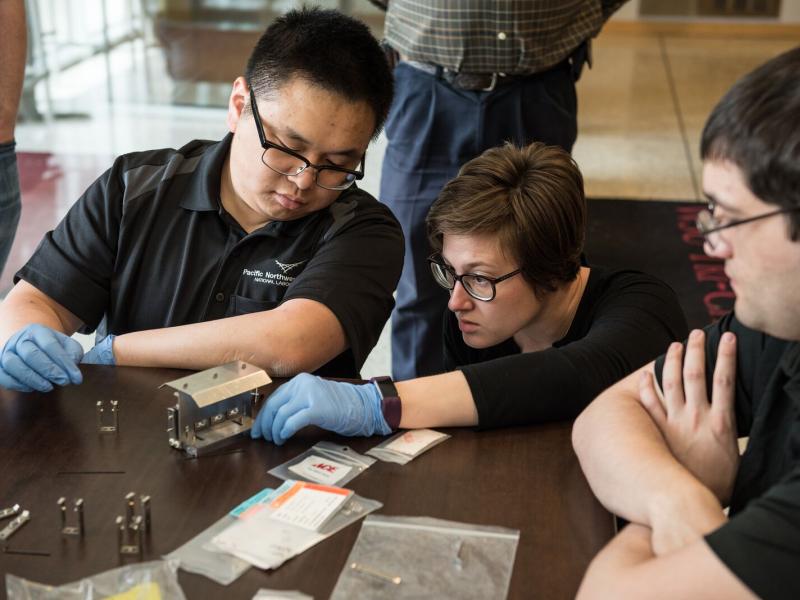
526	478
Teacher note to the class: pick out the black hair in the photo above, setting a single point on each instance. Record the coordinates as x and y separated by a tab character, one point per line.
756	126
326	48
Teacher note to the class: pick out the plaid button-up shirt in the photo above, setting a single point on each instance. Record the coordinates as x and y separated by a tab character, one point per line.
488	36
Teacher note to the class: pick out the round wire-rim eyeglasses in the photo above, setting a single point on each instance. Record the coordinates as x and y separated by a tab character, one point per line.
446	277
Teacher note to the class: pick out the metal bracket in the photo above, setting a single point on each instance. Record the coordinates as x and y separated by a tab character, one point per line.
106	424
78	510
213	406
144	504
9	512
12	527
130	535
132	527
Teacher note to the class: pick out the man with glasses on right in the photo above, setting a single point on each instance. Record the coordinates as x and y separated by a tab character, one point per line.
660	448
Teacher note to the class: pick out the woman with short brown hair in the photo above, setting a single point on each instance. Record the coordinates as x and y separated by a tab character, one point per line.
532	332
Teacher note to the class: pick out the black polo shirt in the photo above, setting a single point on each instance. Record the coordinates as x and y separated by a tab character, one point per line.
760	543
149	245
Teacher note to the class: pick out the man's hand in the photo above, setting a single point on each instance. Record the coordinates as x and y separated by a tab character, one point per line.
102	353
343	408
36	357
701	435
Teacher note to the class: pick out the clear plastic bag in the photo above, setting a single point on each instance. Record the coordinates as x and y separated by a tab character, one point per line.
407	445
155	580
420	557
326	463
267	543
199	556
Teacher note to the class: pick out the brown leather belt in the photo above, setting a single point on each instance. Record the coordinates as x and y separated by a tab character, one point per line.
474	82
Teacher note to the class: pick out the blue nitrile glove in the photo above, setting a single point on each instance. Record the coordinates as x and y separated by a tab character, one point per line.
36	357
343	408
102	353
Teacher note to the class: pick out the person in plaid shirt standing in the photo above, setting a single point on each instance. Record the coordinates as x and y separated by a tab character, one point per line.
469	75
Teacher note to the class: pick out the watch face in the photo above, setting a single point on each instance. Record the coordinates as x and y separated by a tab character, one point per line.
385	386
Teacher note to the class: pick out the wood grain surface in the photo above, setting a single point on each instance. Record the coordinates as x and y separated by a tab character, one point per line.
526	478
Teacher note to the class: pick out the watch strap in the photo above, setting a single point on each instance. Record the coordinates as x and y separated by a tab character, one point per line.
391	405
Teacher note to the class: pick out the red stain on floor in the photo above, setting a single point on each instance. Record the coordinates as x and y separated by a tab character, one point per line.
50	185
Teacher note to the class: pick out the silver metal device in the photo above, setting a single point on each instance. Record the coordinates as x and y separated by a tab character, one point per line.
76	529
108	418
213	406
15	524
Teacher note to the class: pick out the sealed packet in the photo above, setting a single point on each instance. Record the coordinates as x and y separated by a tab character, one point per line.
326	463
292	523
407	445
421	557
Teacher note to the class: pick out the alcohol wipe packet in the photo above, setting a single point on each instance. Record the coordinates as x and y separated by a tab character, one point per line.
326	463
407	445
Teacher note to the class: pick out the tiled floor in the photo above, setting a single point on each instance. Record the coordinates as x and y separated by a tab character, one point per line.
643	105
641	112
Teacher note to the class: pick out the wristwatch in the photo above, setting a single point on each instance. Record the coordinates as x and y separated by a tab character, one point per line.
391	406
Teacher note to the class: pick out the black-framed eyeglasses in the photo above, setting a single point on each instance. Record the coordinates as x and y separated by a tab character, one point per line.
708	225
477	286
285	161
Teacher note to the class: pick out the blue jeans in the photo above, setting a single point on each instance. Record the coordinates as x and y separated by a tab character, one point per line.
433	129
10	205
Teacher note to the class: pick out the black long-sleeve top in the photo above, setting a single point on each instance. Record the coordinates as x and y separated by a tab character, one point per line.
624	320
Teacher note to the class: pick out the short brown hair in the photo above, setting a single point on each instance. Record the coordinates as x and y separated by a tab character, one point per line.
532	198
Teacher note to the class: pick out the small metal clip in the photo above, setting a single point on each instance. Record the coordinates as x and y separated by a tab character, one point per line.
130	507
78	509
108	424
18	522
9	512
395	579
144	503
129	536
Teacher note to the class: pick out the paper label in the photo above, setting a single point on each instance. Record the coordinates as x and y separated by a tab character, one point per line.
412	442
262	497
320	469
308	505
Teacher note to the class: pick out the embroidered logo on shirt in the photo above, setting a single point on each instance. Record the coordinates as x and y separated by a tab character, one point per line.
286	267
281	276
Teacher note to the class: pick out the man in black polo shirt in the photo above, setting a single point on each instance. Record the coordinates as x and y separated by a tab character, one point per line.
258	247
662	451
